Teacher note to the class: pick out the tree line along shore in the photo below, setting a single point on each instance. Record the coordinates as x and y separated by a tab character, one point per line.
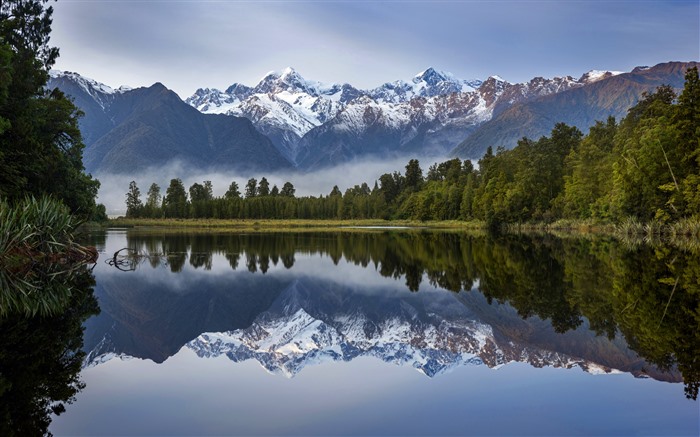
638	175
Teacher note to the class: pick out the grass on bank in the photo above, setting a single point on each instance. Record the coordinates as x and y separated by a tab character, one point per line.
35	229
273	224
687	227
684	234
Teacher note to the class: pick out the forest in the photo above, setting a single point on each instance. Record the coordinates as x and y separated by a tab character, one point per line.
646	167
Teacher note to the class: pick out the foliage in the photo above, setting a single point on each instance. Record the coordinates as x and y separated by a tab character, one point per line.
40	143
646	297
45	296
133	201
646	168
34	228
41	355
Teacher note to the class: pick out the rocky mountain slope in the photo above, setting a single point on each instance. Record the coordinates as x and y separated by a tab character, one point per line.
317	125
127	130
291	324
609	95
287	121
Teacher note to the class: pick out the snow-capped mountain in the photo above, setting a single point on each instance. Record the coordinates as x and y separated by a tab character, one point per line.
287	338
311	125
315	124
309	323
284	106
427	83
128	129
596	75
428	125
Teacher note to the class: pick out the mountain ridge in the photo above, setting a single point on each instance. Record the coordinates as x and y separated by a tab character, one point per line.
309	125
127	130
299	323
580	107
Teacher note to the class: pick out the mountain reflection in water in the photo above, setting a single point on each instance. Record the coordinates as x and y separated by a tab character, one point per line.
431	300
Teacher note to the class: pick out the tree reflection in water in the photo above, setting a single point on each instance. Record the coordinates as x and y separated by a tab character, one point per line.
648	294
41	337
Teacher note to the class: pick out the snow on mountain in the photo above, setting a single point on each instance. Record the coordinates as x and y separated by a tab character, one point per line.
428	83
287	338
89	85
430	113
596	75
284	106
101	93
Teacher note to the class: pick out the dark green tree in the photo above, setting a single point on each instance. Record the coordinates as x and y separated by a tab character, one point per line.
687	122
251	188
134	206
233	192
175	202
288	190
263	187
153	201
414	175
40	143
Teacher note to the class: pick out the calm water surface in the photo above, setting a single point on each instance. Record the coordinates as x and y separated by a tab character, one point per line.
386	332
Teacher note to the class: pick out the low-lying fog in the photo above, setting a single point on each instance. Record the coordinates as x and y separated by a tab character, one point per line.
114	186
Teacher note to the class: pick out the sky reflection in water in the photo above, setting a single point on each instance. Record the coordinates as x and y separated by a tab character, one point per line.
151	313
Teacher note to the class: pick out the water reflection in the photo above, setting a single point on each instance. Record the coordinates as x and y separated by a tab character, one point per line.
42	311
290	299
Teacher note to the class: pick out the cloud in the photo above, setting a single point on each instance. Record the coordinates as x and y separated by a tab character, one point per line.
114	186
189	44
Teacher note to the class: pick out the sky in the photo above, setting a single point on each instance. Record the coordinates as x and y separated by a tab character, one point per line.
188	45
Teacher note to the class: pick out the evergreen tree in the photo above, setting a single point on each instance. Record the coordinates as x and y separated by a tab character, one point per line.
233	192
263	187
414	175
687	122
335	191
251	188
153	200
40	143
288	190
175	201
133	201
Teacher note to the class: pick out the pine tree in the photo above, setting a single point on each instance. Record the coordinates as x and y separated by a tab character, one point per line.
175	201
288	190
153	200
414	175
251	188
40	144
233	192
133	201
263	187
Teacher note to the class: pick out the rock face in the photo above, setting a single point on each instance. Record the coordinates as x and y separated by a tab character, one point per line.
127	130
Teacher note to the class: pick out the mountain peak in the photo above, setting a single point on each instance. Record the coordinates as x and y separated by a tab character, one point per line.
85	82
430	76
596	75
289	80
289	71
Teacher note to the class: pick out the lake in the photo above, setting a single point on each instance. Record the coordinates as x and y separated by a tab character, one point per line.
362	332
